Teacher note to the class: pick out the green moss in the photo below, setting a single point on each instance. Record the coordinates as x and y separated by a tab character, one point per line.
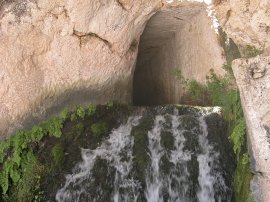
103	179
57	155
140	147
100	173
99	129
188	122
73	117
27	187
91	110
250	197
166	165
20	169
242	180
167	140
75	132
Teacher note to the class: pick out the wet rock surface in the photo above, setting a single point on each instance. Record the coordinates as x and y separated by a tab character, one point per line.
252	77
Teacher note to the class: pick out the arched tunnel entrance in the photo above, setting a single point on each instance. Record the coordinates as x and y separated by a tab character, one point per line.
179	40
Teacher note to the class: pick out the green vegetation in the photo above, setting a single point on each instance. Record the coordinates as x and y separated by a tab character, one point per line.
100	128
109	104
167	140
220	91
75	132
250	51
237	137
17	153
27	188
242	179
20	169
91	110
81	112
57	155
140	150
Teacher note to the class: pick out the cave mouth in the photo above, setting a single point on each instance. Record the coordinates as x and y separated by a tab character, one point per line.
175	41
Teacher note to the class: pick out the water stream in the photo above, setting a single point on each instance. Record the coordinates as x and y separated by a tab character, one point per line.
184	164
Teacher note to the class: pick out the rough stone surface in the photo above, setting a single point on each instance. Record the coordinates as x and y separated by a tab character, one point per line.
52	49
255	97
65	52
246	22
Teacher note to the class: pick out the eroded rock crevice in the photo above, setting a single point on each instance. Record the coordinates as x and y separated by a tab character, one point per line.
85	37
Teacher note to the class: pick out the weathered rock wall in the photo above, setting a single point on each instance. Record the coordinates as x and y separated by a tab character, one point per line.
52	49
248	23
65	52
253	76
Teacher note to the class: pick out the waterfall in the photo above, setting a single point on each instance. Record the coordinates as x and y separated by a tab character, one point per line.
183	164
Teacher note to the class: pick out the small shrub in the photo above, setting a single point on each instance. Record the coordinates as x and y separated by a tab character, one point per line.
91	110
179	77
53	127
237	137
197	92
80	112
109	104
65	114
242	179
251	51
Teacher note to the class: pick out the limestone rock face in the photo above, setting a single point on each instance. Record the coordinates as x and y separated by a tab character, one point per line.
66	52
253	76
245	21
248	23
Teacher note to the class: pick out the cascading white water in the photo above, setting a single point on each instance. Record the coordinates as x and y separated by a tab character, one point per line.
110	150
208	179
154	178
176	183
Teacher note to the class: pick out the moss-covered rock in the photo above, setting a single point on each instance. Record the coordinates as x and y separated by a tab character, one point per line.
167	140
75	132
99	129
103	178
191	143
188	122
57	155
242	178
140	148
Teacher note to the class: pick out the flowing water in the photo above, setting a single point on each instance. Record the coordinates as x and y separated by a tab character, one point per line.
154	157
